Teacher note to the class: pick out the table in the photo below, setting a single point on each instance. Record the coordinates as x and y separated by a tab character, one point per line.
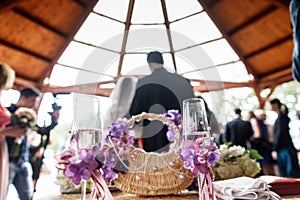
121	196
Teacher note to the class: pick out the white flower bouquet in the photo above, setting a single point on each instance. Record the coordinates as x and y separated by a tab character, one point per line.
236	161
25	118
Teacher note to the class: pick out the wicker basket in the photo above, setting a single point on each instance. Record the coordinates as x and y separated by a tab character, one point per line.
151	173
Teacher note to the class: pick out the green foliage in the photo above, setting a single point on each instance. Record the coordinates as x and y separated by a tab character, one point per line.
255	155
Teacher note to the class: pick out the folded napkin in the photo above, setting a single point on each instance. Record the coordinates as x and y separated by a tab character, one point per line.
243	188
283	186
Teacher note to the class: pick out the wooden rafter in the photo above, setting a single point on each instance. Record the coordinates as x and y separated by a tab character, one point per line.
39	22
71	89
125	36
81	3
211	3
167	23
269	46
206	86
89	88
77	25
188	16
276	76
19	81
23	50
227	37
284	3
253	19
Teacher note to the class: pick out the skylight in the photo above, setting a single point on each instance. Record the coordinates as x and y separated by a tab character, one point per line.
199	49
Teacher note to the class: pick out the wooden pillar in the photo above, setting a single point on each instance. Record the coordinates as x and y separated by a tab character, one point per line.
262	100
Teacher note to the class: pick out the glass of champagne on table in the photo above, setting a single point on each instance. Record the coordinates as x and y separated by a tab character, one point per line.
195	126
86	128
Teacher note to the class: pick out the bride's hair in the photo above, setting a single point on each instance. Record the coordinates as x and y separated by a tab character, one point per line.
124	91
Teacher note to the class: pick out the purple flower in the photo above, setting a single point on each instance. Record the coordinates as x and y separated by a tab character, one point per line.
175	116
170	134
119	134
213	157
109	174
199	155
80	164
77	172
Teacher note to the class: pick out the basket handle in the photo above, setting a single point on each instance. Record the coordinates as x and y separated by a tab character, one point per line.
159	117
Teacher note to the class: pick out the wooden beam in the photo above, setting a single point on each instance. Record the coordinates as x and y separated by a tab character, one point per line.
206	86
283	3
275	82
269	46
82	4
167	23
188	16
275	78
23	50
232	44
39	22
282	70
77	25
7	4
105	16
19	81
253	19
211	3
125	36
92	88
262	100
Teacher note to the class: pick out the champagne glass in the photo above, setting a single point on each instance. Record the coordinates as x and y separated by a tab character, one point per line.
86	128
195	125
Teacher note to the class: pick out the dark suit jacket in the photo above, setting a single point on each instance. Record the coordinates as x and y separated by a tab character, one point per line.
238	132
281	132
157	93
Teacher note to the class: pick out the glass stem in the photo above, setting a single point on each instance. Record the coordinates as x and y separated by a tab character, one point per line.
83	190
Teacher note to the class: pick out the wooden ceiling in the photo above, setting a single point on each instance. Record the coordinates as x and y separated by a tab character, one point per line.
35	33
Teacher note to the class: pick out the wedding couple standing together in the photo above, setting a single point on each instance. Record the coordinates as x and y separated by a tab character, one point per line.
155	93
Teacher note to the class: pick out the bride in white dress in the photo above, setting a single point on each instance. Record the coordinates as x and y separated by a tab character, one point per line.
121	99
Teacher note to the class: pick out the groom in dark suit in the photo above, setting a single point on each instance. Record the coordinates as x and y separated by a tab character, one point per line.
157	93
238	131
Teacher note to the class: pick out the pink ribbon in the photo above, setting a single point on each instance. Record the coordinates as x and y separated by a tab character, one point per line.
100	188
206	186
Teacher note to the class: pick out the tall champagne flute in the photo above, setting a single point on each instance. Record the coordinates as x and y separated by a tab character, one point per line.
86	128
195	125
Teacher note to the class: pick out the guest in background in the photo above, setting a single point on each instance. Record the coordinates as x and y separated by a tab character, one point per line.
157	93
212	120
7	76
260	142
283	148
20	170
263	116
238	131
